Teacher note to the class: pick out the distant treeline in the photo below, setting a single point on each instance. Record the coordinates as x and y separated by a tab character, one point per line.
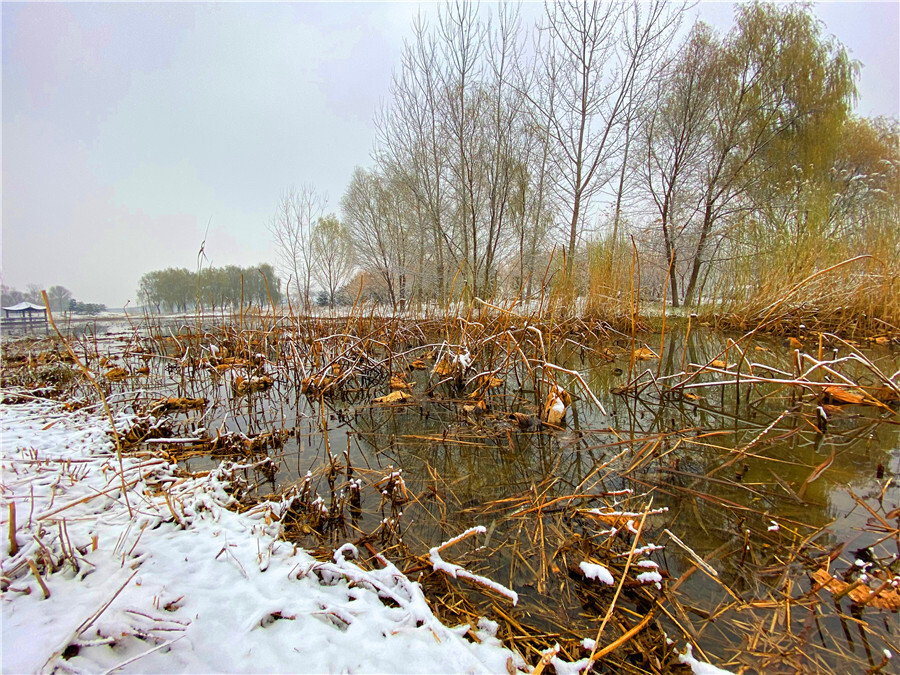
179	290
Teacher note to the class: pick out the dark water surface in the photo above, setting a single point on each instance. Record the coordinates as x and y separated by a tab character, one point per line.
749	478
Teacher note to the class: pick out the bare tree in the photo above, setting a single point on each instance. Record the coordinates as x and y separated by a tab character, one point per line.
595	60
386	228
507	148
33	294
412	149
11	296
456	135
539	208
296	215
462	42
332	255
674	143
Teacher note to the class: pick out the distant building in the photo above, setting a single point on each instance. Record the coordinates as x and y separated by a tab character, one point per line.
25	315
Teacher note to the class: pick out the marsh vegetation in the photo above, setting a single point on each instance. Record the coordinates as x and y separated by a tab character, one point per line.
739	492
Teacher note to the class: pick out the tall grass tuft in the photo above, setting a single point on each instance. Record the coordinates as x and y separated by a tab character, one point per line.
821	282
610	280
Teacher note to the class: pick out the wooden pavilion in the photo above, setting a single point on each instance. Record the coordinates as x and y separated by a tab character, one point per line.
25	315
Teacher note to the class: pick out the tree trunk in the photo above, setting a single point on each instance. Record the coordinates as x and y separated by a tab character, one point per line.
698	256
622	183
671	257
573	237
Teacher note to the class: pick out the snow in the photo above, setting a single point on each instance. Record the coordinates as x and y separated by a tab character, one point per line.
628	514
478	529
699	667
564	667
458	572
649	578
647	549
183	584
567	668
598	572
25	305
463	359
557	405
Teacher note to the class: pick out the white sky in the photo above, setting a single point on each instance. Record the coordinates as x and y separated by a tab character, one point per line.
128	127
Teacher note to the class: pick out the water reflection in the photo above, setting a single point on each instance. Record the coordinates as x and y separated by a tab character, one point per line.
751	481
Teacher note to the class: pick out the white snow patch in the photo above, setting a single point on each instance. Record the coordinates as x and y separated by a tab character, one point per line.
700	667
647	549
649	577
567	668
463	360
598	572
487	627
557	405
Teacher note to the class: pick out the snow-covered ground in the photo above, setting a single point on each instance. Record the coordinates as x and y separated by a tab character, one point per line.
184	584
162	576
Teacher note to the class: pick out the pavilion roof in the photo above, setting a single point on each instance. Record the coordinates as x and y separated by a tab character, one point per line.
24	306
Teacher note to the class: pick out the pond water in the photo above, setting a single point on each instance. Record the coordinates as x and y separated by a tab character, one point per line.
762	480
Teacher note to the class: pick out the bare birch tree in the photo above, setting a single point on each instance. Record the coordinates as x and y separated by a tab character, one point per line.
594	60
291	227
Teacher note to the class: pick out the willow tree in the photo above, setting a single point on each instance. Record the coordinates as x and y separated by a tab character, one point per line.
332	255
60	297
865	181
784	91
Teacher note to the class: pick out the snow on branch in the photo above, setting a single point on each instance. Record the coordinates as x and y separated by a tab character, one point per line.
459	572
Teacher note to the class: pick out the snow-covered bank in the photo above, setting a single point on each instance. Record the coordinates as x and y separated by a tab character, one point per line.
183	584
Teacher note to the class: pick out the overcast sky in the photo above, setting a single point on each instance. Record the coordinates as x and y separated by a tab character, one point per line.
127	128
